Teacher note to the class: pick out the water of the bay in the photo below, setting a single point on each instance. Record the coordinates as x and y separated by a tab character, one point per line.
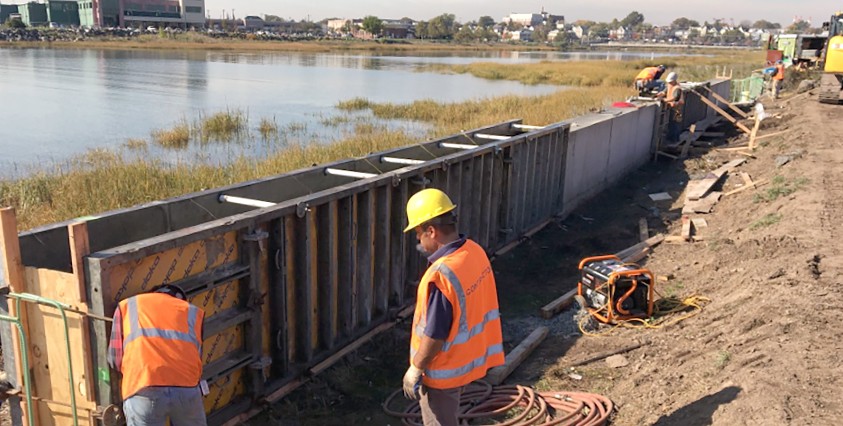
60	103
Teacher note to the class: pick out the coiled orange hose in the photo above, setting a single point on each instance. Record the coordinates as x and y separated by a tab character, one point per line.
480	400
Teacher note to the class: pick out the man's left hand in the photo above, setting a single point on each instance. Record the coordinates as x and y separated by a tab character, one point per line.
412	382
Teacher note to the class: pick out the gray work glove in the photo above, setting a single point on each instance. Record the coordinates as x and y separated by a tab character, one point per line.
412	383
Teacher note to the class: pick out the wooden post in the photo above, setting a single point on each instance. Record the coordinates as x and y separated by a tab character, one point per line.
13	275
754	133
497	375
79	248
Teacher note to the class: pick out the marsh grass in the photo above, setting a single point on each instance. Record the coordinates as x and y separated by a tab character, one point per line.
223	126
448	118
105	180
136	144
177	136
268	127
604	73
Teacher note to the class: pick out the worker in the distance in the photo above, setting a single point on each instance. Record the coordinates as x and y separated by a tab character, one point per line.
648	79
156	344
456	335
673	99
777	80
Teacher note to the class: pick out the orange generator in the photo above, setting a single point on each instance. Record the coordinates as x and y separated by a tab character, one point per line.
615	291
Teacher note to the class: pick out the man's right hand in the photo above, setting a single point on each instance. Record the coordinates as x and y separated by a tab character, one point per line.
412	382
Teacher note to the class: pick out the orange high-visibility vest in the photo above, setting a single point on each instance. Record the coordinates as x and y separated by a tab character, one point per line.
779	72
648	73
475	343
162	342
671	89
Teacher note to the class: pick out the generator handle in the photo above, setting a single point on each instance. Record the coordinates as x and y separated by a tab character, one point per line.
596	259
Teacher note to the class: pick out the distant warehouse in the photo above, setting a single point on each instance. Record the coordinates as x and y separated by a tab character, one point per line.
112	13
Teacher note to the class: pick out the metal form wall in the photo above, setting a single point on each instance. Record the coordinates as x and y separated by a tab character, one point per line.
287	286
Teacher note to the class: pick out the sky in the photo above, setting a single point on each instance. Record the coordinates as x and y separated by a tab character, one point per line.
782	11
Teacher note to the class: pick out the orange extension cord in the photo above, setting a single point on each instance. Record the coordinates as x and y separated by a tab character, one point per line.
482	401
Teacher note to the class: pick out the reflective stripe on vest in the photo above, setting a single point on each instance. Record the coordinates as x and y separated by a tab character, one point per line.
461	371
137	331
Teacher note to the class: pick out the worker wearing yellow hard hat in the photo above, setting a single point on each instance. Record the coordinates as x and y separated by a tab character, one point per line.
456	333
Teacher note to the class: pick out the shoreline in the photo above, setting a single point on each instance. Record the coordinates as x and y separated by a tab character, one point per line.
272	46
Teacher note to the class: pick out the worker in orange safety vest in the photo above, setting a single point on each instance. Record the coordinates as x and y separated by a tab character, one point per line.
156	344
648	79
456	333
778	80
674	99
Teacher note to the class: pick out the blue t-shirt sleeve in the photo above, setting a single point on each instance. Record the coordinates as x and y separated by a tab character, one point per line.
440	315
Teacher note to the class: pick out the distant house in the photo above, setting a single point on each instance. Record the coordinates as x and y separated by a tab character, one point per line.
620	33
551	36
579	31
396	28
338	25
519	35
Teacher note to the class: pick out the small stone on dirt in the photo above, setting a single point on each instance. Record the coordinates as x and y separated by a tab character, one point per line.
782	160
617	361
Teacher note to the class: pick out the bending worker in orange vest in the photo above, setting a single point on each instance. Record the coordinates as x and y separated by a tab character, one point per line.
778	80
156	343
648	79
456	333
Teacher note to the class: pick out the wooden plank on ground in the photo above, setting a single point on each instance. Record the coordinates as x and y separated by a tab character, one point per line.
558	304
745	187
497	375
698	188
758	138
703	205
686	228
629	252
674	239
699	223
747	180
643	229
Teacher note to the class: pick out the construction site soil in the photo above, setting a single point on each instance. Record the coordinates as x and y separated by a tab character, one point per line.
767	348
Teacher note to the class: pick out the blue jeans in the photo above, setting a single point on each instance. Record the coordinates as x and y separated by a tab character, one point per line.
153	405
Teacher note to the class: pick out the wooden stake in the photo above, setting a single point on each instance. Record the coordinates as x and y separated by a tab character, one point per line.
686	228
754	133
772	134
497	375
643	230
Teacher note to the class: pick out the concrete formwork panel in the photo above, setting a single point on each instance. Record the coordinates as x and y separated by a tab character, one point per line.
588	159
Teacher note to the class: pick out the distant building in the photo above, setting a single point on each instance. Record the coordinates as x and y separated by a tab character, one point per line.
6	11
253	23
99	13
33	14
535	19
395	28
163	13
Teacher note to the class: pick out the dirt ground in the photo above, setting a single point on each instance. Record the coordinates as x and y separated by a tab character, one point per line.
765	351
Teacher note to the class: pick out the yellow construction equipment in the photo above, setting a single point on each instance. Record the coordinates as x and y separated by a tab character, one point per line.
831	84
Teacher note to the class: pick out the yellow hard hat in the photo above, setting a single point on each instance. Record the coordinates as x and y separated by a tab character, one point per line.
425	205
